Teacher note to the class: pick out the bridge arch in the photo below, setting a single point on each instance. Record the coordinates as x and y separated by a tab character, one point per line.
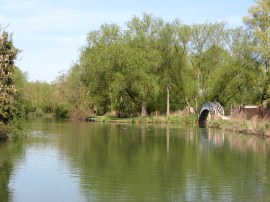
204	115
209	109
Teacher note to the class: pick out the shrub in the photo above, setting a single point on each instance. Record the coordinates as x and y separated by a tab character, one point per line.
39	112
61	112
4	132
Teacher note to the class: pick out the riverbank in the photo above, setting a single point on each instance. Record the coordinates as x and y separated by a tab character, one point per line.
187	119
14	130
254	126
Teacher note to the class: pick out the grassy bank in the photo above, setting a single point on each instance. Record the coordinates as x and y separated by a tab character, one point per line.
254	127
188	119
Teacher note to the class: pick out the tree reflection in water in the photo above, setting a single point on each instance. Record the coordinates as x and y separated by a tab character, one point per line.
10	153
237	141
146	163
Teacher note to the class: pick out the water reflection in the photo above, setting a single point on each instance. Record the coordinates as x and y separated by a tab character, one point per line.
10	154
168	138
212	137
236	141
113	162
163	163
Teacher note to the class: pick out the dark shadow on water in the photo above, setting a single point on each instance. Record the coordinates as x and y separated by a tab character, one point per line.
202	124
212	137
10	153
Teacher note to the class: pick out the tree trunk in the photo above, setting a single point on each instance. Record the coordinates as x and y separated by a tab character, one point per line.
196	104
188	105
168	101
143	108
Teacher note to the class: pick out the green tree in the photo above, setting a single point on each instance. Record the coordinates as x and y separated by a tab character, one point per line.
167	46
120	68
153	65
20	81
144	59
235	78
39	97
8	54
73	93
258	21
203	38
99	62
183	77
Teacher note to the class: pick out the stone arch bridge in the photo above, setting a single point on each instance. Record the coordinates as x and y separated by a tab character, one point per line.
210	108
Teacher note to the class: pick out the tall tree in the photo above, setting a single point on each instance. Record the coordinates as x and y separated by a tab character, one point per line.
235	78
258	21
167	45
70	86
8	54
183	76
99	61
203	38
146	58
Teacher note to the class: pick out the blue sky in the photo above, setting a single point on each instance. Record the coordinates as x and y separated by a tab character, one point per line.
51	32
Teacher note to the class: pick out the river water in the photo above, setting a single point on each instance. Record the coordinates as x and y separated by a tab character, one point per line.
77	161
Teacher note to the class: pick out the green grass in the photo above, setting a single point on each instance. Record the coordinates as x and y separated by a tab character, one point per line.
189	119
255	127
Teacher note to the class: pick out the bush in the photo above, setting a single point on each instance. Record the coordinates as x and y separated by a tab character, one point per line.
4	132
61	112
267	125
39	112
14	130
188	119
17	128
218	123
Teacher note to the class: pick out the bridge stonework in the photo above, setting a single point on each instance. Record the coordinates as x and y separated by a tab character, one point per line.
210	109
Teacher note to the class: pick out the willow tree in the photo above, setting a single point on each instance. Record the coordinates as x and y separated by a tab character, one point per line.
145	60
167	46
8	54
258	21
99	62
205	42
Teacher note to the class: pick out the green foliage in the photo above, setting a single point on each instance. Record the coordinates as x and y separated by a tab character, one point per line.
218	123
258	22
157	66
4	132
153	64
61	112
12	108
14	130
39	95
8	54
18	128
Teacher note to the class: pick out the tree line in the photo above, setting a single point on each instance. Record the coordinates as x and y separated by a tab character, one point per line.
152	66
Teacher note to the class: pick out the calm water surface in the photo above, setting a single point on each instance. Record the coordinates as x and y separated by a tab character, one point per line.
74	161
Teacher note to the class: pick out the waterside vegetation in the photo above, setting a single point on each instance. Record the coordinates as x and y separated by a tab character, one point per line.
254	126
11	110
150	66
187	119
